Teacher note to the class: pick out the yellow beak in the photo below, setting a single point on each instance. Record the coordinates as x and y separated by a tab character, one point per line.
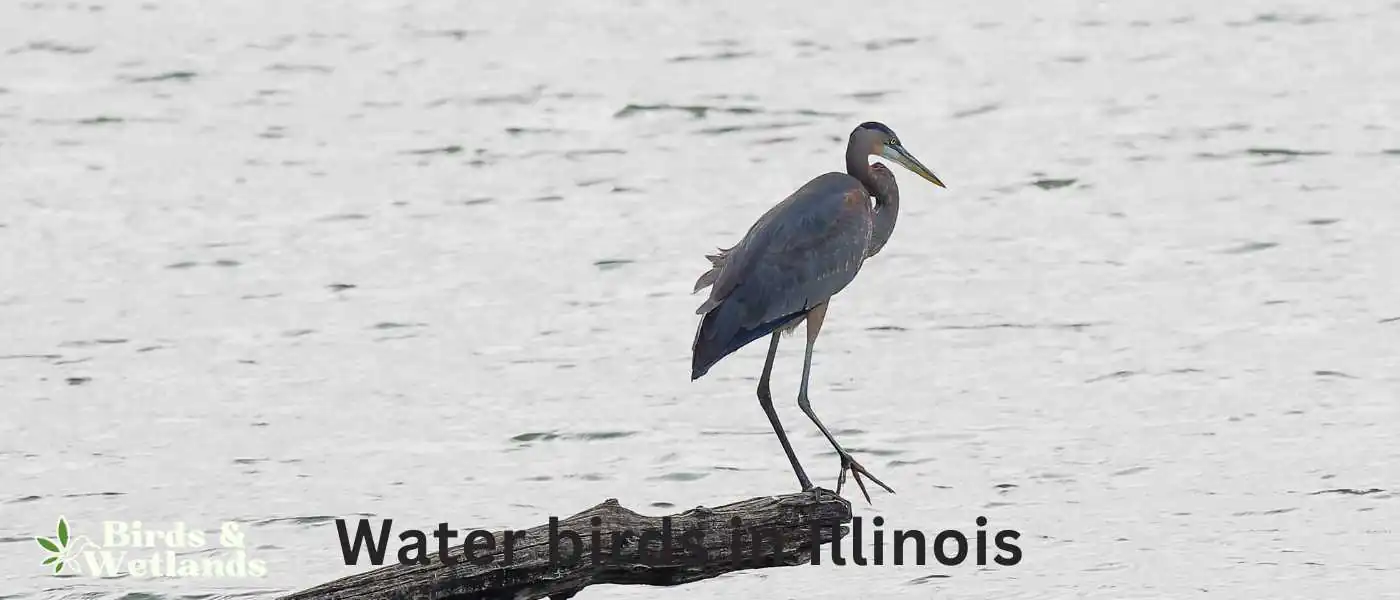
898	154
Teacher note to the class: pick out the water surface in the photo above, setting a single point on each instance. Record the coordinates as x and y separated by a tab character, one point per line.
274	263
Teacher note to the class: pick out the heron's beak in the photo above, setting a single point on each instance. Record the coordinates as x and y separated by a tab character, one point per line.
898	154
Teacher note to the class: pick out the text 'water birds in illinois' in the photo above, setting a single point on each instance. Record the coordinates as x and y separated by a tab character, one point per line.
792	261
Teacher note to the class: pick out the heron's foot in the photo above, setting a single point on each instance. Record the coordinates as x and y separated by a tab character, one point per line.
818	493
849	463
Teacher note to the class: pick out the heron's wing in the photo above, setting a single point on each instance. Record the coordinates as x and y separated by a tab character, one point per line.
798	254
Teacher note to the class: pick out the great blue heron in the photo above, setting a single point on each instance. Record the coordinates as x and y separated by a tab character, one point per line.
792	261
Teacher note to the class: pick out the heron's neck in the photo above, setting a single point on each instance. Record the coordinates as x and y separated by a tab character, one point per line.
858	166
882	188
886	212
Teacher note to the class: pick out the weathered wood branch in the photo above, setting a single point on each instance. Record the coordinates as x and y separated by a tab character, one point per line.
535	572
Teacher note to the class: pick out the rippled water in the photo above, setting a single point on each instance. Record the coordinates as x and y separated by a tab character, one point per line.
276	263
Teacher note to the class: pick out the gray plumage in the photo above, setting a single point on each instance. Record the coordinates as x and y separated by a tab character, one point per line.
797	255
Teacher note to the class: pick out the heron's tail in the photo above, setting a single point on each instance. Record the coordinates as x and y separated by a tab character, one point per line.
720	334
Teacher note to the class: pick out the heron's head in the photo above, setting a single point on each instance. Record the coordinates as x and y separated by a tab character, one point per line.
880	140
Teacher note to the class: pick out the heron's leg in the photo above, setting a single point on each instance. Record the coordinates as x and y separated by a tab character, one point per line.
814	327
765	399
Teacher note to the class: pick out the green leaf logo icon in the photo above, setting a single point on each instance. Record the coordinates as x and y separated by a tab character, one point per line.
55	549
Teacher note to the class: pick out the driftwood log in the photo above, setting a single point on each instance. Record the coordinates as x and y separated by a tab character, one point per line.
536	572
